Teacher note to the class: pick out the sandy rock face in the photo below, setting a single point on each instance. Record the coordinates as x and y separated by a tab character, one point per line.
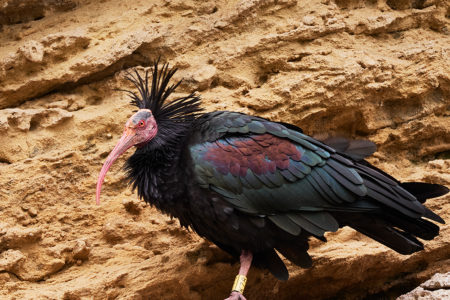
376	70
437	287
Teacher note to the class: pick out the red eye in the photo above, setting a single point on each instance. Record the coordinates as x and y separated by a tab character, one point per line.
141	123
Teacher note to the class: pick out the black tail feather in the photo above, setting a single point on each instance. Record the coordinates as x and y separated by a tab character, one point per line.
432	216
296	254
271	261
418	227
356	149
423	191
392	238
393	230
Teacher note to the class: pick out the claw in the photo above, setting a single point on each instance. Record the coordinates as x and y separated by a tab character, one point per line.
236	296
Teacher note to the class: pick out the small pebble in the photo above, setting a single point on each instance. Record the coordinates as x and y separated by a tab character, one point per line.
81	250
32	212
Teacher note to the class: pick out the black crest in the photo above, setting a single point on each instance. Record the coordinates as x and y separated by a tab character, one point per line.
155	98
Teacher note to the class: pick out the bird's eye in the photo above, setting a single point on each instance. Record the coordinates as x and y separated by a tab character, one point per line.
141	123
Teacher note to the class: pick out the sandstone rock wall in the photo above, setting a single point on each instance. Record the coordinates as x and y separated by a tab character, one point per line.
374	69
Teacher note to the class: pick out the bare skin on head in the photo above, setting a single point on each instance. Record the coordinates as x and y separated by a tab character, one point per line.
139	129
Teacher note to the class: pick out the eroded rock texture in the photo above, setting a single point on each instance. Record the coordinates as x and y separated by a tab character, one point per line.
436	288
373	69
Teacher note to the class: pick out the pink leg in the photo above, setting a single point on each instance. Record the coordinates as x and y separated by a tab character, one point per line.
246	262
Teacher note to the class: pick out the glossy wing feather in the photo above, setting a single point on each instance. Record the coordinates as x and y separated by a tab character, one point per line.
266	173
266	169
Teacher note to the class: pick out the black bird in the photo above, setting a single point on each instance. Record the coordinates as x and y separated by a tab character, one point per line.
252	186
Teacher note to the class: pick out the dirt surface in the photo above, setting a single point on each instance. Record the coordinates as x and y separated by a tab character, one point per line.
370	69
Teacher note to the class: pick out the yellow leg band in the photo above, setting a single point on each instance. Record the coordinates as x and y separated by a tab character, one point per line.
239	284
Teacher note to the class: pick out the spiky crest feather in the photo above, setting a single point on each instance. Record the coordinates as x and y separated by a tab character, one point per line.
180	110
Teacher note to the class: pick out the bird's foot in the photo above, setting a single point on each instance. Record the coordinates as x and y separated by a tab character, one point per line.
236	296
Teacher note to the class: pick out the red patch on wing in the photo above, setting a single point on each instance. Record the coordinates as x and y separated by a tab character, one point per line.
261	154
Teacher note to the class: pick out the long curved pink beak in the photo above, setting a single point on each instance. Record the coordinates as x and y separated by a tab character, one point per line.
125	143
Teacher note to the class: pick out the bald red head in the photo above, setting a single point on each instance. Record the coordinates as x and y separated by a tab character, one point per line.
139	129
